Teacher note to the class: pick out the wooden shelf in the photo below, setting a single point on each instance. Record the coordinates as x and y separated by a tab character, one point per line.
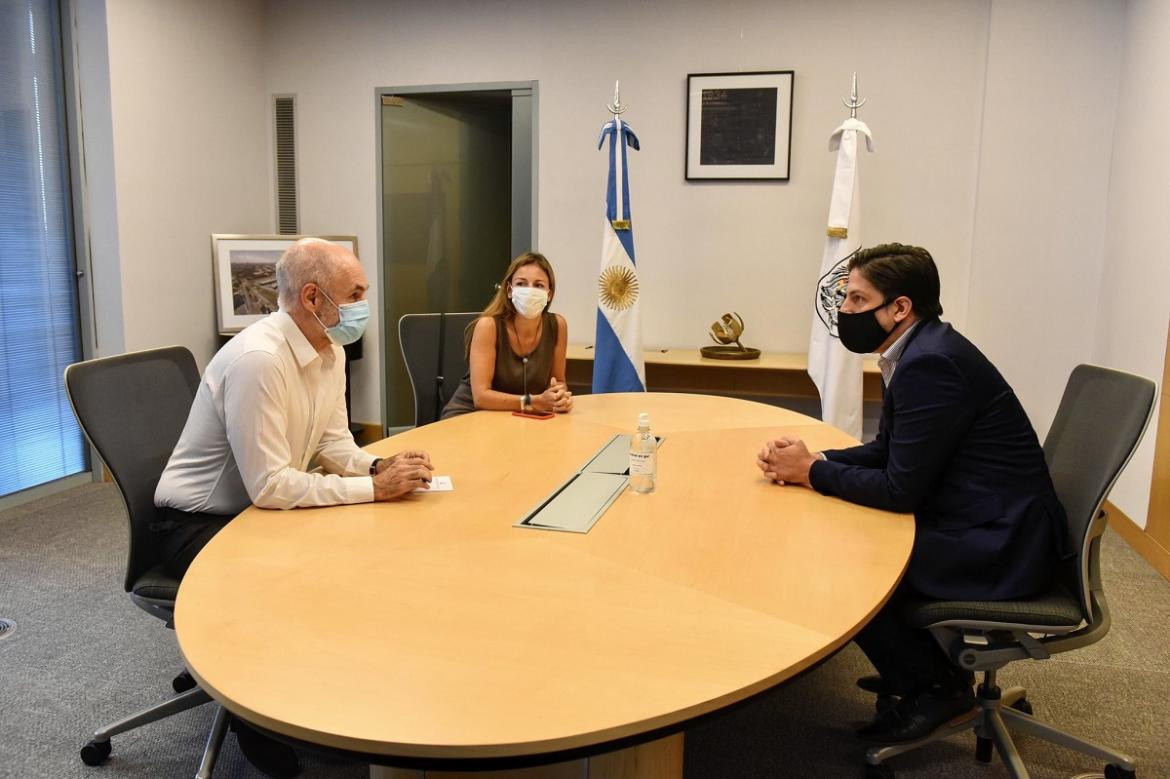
774	374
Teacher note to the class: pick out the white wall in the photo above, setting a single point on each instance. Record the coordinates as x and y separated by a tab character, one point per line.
190	132
1042	190
1134	309
994	121
702	248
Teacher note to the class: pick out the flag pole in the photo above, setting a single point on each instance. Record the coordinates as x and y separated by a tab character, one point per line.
837	372
852	103
618	361
616	108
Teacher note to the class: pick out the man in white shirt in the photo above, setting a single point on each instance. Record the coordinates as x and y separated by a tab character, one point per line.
270	403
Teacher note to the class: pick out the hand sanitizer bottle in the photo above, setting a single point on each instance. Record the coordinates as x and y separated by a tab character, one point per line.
643	457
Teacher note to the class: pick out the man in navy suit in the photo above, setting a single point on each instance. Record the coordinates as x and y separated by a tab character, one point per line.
954	447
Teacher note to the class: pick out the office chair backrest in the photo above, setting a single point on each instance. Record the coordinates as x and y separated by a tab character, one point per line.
132	408
418	337
455	350
1100	420
436	359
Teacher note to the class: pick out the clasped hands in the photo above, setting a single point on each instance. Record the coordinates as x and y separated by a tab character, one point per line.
786	460
401	474
556	398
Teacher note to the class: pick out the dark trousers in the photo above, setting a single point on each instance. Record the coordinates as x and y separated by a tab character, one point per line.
908	658
181	534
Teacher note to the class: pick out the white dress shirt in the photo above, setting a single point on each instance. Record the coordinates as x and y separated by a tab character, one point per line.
888	360
268	404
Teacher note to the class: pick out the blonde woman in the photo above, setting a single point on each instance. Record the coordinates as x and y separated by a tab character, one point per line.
516	349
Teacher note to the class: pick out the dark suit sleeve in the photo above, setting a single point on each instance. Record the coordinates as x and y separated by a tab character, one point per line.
871	455
932	410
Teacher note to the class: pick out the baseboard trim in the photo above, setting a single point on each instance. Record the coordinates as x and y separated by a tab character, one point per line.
1154	553
15	499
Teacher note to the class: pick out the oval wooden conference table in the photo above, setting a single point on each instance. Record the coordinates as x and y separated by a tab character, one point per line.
432	634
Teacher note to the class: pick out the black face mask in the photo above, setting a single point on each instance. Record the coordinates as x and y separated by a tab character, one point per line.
862	332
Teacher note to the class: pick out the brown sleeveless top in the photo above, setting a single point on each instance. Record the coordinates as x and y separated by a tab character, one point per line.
513	375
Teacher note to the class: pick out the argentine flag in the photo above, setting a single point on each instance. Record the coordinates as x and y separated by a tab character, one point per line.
617	360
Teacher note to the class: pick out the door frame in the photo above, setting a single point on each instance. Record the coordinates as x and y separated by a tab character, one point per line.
388	330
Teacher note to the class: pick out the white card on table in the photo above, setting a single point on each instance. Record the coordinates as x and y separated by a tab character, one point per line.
439	484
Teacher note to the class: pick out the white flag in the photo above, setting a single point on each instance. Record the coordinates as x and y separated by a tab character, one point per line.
834	369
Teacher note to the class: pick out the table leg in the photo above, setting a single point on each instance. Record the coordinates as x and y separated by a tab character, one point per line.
662	759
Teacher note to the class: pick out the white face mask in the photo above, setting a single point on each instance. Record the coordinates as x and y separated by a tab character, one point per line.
529	301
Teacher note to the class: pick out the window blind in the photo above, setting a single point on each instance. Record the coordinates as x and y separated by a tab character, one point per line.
39	437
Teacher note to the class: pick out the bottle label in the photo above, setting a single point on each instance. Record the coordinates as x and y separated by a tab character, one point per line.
641	463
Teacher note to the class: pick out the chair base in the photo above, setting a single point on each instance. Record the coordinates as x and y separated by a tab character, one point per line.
214	742
180	703
98	750
990	720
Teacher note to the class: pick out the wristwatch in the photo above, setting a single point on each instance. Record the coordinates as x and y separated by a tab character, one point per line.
525	402
374	466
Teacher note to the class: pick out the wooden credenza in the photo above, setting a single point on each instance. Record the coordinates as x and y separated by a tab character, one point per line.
773	375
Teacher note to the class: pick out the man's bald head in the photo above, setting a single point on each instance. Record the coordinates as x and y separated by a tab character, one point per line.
309	261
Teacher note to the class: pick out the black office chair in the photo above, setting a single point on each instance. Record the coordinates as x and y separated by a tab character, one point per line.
132	408
436	359
1100	420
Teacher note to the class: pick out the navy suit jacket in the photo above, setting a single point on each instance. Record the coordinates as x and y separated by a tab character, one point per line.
955	447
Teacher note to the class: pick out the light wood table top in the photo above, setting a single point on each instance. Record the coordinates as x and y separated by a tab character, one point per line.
432	628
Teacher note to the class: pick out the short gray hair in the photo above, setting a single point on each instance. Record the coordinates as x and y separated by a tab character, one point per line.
306	261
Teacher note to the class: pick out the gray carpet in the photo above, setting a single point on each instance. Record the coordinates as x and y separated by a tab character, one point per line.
82	655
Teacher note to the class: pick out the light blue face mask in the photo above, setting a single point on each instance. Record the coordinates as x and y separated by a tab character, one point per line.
352	321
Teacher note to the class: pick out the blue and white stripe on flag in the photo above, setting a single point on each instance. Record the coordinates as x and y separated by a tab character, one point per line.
617	361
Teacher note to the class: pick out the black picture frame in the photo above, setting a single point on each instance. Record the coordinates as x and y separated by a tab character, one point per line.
739	126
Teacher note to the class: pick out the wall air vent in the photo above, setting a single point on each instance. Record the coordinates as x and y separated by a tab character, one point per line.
287	221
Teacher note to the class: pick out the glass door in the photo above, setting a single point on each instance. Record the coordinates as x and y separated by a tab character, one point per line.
450	207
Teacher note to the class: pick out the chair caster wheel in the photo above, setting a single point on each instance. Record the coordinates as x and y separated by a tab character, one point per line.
96	752
183	682
983	748
1117	772
879	771
1023	705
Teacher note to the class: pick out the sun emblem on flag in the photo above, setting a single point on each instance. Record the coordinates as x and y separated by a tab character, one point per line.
831	293
618	287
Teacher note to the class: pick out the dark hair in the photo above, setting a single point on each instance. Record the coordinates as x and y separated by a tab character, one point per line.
895	270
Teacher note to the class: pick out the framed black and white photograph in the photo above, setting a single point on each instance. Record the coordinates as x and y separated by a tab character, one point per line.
244	268
739	125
